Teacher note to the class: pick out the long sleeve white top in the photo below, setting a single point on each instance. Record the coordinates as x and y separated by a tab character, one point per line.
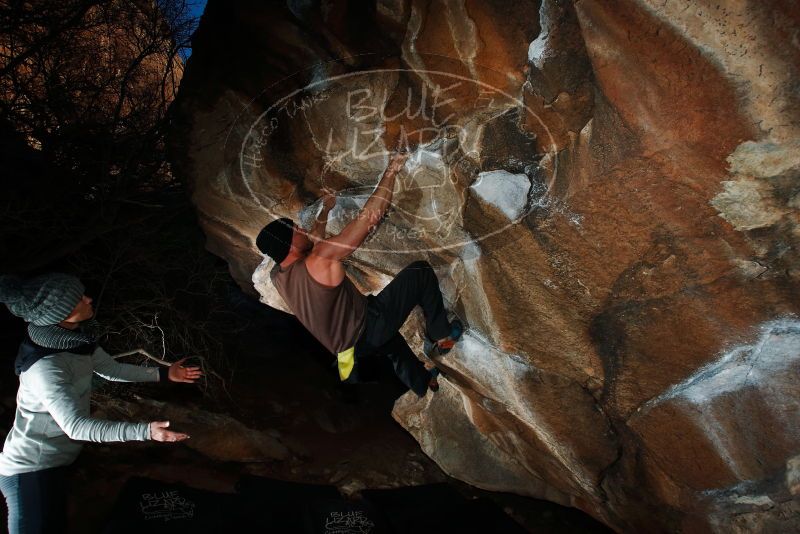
52	415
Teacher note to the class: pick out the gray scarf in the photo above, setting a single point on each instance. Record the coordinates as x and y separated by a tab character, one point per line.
55	337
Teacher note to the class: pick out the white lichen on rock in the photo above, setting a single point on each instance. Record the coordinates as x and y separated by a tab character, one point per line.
746	204
750	200
505	191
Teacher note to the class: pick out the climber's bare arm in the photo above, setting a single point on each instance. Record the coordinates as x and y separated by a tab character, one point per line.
324	262
317	232
340	246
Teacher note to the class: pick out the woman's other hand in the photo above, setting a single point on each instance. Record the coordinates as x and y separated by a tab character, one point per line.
179	373
159	432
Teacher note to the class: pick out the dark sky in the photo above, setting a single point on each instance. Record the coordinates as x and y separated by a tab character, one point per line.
196	8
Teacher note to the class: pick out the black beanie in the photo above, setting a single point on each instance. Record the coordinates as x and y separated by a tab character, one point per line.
276	237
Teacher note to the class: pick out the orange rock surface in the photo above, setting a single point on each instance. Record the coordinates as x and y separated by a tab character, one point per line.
609	192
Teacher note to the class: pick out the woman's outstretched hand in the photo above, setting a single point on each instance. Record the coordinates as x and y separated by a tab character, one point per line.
179	373
159	432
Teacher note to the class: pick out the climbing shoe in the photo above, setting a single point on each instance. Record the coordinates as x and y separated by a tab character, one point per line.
443	347
433	383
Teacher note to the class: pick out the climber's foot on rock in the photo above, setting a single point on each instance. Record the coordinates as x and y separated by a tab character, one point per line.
443	346
433	383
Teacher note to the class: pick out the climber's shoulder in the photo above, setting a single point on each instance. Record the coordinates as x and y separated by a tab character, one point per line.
326	271
338	247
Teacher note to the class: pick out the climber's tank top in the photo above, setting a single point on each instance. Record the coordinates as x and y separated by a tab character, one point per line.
333	315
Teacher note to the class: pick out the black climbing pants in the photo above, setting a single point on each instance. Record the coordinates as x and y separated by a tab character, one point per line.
415	285
36	501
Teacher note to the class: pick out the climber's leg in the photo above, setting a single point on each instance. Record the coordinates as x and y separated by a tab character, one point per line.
407	367
415	285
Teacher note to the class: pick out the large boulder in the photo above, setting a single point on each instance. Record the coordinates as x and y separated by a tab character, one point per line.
609	194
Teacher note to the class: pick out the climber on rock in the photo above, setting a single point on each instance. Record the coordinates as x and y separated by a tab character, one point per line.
55	363
310	276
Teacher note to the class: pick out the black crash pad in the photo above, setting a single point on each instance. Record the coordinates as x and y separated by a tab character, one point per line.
152	506
281	506
276	506
437	508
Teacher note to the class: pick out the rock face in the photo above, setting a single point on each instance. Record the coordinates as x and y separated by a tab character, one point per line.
610	194
214	435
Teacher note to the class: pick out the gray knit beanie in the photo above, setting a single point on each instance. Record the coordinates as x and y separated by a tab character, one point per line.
43	300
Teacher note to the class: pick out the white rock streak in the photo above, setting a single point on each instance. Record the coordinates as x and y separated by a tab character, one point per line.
539	46
776	352
506	380
716	397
